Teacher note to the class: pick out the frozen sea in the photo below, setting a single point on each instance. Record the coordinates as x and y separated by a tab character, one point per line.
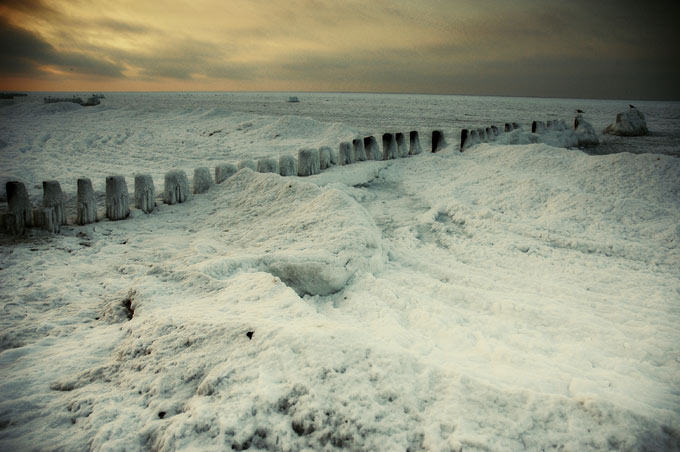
510	297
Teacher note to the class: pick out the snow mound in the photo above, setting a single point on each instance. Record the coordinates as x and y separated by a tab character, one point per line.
290	229
630	123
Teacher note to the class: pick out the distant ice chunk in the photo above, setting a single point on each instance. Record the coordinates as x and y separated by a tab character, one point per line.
372	148
268	165
247	164
117	198
389	149
585	132
359	150
308	162
176	189
223	171
86	202
630	123
345	153
414	143
288	166
53	197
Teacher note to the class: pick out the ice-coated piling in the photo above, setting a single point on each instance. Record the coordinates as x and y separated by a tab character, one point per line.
495	131
437	140
117	198
389	149
268	165
86	202
288	166
202	180
308	162
324	157
345	153
464	137
247	164
18	204
372	149
508	127
53	197
176	188
359	150
414	147
482	135
402	148
47	220
224	171
538	127
145	192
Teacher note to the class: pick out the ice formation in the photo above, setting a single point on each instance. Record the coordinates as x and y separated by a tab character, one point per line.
19	206
288	165
414	143
268	165
437	140
359	150
176	188
247	164
117	198
53	197
629	123
372	148
308	162
389	146
223	171
585	132
86	202
345	153
145	193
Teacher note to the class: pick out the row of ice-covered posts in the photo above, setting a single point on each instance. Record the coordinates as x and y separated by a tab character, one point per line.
51	215
471	137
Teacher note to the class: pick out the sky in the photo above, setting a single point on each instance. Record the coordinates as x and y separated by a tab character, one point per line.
548	48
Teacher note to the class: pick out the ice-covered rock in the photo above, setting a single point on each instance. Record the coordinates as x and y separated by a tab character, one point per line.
538	127
224	171
117	198
585	132
308	162
630	123
414	143
372	148
389	146
19	204
176	189
268	165
359	150
288	166
86	202
402	147
324	157
53	197
247	164
438	141
345	153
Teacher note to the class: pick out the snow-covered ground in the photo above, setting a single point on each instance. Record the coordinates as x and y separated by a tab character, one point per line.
505	298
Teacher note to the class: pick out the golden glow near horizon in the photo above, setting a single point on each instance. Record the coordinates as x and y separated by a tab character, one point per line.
479	47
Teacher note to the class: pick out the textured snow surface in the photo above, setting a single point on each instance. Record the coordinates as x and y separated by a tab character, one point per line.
514	297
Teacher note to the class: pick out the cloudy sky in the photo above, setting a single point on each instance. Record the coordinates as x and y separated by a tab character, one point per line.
576	48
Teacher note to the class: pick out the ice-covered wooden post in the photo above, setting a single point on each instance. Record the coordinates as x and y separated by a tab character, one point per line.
145	193
86	202
345	153
495	131
224	171
267	165
508	127
308	162
437	140
176	188
202	180
288	165
46	218
372	148
414	143
538	127
359	150
117	198
389	146
247	164
324	157
402	149
53	197
334	156
19	206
